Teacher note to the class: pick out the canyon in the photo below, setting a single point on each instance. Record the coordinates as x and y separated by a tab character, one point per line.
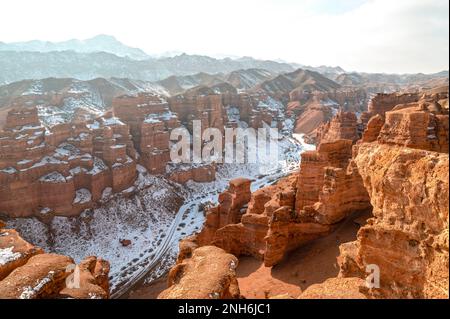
390	170
85	171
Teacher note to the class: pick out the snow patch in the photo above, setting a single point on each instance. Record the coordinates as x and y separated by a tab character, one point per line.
54	177
82	196
7	255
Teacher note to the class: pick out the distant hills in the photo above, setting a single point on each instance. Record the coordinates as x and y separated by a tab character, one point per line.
301	80
100	43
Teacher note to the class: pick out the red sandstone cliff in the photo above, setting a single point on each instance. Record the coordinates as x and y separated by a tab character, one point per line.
406	174
62	170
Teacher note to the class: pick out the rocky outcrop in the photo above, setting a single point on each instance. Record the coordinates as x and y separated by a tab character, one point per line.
373	129
206	108
150	121
231	207
64	169
405	171
14	251
344	126
204	273
384	102
43	276
416	127
408	238
26	272
92	280
397	171
312	168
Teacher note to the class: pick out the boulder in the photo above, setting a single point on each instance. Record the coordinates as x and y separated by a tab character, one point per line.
14	251
43	276
209	273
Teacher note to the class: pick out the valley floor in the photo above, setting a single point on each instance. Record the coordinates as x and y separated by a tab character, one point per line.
311	264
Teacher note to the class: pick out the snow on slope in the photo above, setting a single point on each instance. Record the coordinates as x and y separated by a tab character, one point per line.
143	219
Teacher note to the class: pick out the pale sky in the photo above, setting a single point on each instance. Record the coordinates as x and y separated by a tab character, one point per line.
392	36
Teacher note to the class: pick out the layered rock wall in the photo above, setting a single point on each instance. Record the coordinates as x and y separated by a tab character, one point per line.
405	172
62	170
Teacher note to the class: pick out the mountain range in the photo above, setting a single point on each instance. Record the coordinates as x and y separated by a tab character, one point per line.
105	57
100	43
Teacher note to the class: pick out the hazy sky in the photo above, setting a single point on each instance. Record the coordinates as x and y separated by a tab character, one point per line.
364	35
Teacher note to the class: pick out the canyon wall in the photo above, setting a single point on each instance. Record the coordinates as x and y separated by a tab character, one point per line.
405	171
62	170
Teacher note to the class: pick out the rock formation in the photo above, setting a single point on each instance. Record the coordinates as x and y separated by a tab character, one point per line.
150	120
416	127
384	102
14	251
62	170
199	173
277	219
405	171
204	273
26	272
344	126
92	274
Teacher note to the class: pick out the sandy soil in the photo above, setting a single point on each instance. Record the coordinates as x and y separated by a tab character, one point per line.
308	265
149	291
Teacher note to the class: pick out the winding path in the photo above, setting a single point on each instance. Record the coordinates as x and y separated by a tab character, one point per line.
158	255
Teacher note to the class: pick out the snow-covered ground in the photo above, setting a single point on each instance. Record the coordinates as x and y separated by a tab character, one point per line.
143	218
